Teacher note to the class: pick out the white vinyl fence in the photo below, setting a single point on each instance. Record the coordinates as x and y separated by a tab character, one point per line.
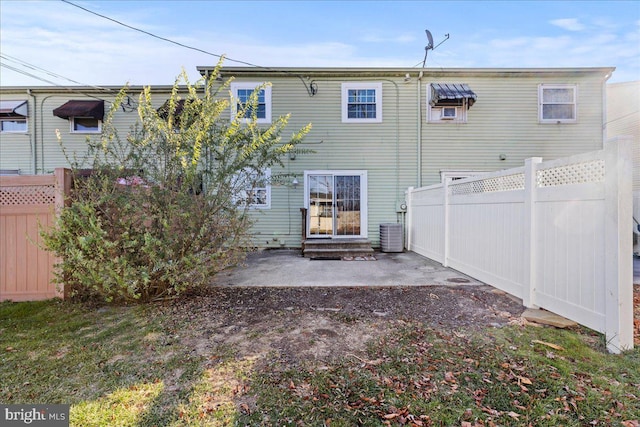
557	234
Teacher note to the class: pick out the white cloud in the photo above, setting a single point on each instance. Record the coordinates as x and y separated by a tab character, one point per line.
569	24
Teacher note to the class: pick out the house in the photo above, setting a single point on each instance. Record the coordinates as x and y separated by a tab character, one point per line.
623	119
376	132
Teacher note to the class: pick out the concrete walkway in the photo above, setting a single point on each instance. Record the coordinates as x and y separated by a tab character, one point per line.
287	268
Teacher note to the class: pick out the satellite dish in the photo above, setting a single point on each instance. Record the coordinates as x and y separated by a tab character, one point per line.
430	37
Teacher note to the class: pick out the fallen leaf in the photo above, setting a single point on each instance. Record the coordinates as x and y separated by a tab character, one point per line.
548	344
468	413
525	380
449	377
390	416
513	415
630	423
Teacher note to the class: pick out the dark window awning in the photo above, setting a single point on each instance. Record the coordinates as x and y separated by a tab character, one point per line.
14	108
163	111
94	109
452	94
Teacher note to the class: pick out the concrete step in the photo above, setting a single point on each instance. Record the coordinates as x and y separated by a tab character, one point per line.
337	253
337	248
362	245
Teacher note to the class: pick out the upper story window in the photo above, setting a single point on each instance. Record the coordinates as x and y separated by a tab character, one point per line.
84	116
13	116
558	103
241	93
85	125
362	102
13	125
449	102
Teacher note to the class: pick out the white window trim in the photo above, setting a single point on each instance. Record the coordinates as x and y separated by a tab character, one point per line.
543	86
12	119
72	121
434	114
377	86
267	175
252	86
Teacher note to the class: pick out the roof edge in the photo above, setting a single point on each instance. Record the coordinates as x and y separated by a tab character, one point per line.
79	90
401	72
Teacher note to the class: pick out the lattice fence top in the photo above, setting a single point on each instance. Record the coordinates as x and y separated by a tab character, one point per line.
489	185
28	195
578	173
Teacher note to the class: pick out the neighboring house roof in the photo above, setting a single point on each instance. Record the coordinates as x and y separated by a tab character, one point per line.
13	108
402	72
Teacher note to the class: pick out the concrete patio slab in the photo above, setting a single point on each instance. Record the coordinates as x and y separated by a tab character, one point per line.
287	268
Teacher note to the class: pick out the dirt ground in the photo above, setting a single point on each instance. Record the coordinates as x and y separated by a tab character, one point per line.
301	325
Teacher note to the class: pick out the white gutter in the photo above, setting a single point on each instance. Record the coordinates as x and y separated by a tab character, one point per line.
34	132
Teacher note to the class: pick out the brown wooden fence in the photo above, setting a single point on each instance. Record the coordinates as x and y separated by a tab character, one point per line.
26	203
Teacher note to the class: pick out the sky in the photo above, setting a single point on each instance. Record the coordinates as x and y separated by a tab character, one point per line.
56	43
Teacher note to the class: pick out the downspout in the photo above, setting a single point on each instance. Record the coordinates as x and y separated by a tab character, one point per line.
34	136
42	129
604	108
419	136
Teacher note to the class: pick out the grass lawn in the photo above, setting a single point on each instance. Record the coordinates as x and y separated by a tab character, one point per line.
135	366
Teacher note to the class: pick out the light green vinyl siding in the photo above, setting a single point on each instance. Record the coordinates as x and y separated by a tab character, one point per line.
16	147
38	151
504	120
385	150
51	154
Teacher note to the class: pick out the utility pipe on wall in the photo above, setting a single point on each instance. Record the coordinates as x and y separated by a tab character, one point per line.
34	132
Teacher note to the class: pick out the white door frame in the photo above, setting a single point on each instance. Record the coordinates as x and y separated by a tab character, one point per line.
363	200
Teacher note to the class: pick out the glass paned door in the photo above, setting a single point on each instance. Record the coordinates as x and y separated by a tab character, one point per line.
335	204
320	205
347	201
